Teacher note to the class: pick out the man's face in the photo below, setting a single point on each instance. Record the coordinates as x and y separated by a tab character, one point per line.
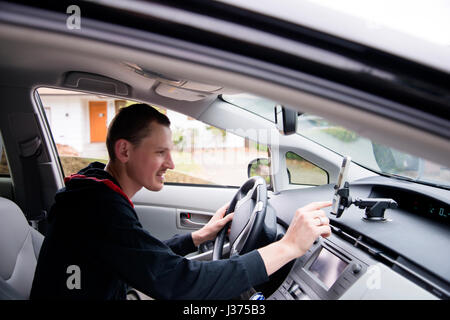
150	159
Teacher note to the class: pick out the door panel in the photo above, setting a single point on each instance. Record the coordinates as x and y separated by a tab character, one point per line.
163	222
162	213
159	221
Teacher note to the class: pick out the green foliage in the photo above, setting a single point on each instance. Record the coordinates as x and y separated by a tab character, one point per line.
217	132
261	167
342	134
178	137
293	156
258	146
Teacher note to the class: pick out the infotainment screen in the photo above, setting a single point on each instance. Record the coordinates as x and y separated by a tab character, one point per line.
327	267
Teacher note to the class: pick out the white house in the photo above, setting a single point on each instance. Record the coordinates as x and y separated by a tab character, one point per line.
79	120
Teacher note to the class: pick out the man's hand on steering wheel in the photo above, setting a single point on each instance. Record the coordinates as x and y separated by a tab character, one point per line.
214	225
254	227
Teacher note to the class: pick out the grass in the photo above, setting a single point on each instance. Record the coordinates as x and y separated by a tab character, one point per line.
72	165
342	134
3	164
303	172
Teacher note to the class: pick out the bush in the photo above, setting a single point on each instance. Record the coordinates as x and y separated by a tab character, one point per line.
342	134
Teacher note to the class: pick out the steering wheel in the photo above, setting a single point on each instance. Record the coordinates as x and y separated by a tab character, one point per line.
254	223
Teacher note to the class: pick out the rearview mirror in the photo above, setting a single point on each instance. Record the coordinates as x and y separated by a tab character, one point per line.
286	120
260	167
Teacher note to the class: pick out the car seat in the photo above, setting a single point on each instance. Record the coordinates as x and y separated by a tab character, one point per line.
19	250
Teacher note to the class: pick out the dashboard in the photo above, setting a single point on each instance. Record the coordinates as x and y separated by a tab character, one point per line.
404	257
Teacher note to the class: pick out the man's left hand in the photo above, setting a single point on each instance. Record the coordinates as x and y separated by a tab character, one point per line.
214	225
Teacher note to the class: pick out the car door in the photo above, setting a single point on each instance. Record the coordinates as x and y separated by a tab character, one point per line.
178	208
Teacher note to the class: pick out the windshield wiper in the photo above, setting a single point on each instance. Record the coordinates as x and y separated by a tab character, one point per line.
431	184
394	175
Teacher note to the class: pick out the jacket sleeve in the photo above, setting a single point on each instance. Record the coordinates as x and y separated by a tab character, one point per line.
152	267
181	244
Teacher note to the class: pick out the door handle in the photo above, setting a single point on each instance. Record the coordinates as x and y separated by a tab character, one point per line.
188	219
187	222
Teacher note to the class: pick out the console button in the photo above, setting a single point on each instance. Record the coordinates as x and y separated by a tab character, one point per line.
296	292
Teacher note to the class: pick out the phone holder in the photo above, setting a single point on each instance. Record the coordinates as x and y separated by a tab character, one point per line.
375	207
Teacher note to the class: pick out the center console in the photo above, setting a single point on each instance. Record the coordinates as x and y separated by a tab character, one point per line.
325	272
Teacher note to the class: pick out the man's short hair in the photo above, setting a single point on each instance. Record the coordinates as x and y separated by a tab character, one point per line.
132	123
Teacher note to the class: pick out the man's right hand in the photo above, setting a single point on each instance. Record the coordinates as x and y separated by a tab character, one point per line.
308	224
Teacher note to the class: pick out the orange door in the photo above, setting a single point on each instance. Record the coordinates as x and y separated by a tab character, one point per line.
97	116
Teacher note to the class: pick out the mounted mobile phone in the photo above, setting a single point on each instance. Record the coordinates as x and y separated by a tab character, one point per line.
340	183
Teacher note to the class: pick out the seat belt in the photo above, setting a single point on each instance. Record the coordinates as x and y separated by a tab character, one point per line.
30	150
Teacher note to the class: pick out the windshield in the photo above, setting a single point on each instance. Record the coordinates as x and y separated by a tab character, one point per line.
367	153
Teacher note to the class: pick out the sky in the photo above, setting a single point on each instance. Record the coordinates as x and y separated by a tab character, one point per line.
425	19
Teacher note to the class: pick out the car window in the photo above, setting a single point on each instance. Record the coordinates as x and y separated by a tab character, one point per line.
258	105
363	151
303	172
78	122
4	169
370	154
202	154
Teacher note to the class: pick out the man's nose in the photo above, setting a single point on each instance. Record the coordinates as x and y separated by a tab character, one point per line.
169	162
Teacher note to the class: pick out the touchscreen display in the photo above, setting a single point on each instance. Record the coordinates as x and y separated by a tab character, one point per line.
327	267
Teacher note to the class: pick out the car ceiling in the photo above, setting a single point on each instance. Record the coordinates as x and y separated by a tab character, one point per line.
34	57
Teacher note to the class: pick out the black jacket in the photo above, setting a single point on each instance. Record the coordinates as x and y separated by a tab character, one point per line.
93	226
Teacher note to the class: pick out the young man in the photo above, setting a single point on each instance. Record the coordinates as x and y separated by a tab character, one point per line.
95	246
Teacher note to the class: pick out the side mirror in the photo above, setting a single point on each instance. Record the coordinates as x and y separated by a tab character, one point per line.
286	120
260	167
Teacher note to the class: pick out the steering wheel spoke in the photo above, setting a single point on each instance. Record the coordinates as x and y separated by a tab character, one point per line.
249	205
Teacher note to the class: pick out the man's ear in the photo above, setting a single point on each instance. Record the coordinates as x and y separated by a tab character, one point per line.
122	150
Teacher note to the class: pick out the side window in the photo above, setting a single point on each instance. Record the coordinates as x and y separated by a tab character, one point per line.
4	170
79	123
202	154
303	172
206	155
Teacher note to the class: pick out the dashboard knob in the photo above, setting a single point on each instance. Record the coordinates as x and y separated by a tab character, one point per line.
356	268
